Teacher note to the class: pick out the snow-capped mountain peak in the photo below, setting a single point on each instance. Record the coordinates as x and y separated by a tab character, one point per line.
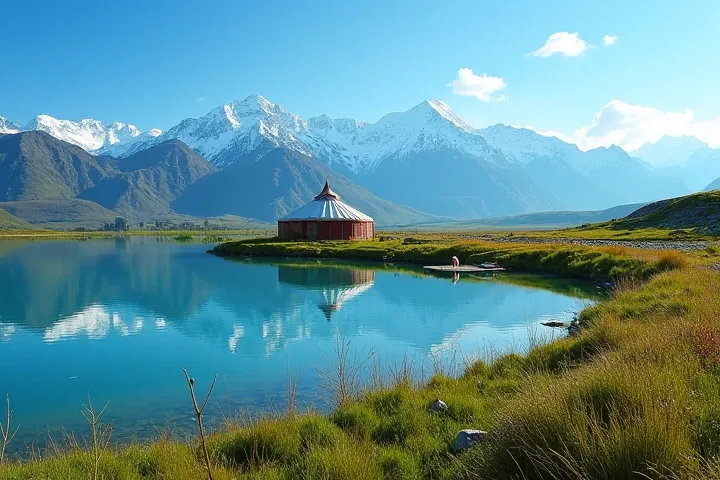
444	110
523	145
89	134
668	151
6	126
251	126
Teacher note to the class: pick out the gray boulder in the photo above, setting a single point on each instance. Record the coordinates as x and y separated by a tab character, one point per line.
466	439
438	406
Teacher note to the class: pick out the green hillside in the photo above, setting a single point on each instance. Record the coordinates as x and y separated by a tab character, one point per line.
61	213
699	212
11	222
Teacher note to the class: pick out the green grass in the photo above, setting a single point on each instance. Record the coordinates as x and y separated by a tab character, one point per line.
602	263
11	222
636	394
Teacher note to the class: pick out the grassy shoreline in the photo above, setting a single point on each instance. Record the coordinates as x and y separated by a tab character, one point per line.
71	235
634	391
587	263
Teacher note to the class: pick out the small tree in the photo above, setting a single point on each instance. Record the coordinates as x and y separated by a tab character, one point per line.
121	224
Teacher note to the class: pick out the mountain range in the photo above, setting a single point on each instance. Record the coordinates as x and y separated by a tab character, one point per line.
426	158
715	185
684	158
41	174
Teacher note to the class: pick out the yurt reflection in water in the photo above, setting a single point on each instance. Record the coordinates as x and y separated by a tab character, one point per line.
336	286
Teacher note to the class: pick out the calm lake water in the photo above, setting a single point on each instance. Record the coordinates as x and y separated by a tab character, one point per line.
119	319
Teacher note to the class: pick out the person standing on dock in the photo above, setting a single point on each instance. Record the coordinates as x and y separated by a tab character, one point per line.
455	261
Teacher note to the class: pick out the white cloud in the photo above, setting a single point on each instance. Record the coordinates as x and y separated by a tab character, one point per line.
200	99
631	126
564	43
483	87
609	40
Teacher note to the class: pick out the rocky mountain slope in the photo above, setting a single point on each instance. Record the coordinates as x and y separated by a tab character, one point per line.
149	180
278	183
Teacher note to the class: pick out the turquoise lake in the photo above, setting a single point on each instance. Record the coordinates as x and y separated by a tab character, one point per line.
118	320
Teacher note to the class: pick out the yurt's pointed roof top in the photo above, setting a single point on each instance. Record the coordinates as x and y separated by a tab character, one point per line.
327	206
327	193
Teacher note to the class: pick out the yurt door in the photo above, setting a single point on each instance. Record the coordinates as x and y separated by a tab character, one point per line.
312	231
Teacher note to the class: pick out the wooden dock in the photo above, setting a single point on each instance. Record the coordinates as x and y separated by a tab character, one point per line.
462	268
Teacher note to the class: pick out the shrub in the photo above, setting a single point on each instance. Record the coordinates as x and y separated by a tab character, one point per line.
507	366
265	441
386	402
355	419
477	369
398	428
355	462
397	464
671	260
316	430
562	352
705	340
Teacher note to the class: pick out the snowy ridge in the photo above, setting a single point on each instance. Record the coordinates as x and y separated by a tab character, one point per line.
524	146
6	126
89	134
669	151
254	125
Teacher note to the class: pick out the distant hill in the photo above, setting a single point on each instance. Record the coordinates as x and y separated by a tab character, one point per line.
61	213
714	185
56	184
37	166
279	183
700	211
11	222
541	219
149	180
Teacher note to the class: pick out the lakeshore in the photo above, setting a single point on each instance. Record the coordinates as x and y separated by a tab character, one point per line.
624	378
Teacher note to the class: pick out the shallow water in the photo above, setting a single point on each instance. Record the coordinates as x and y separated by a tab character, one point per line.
118	320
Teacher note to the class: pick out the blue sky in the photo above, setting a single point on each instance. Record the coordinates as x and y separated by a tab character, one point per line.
155	63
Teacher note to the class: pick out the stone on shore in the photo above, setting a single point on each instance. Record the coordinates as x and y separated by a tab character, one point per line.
466	439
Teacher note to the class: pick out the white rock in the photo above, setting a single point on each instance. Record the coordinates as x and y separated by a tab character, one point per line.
438	406
466	439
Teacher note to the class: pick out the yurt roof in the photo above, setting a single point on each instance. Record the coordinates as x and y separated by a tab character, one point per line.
327	206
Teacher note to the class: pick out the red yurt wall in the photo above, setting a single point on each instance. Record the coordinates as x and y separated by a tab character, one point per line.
325	230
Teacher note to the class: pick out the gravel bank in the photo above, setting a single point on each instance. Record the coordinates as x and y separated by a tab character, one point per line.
650	244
